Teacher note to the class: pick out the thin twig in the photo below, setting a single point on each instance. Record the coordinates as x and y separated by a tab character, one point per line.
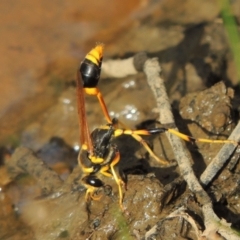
152	71
124	67
180	212
118	68
220	159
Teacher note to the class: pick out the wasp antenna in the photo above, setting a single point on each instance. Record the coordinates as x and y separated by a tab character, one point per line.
100	44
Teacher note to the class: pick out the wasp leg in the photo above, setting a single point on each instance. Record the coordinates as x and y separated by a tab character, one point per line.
95	91
104	171
189	138
136	135
90	194
104	107
145	145
117	179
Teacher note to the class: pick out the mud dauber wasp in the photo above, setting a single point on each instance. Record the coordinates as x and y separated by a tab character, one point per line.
98	154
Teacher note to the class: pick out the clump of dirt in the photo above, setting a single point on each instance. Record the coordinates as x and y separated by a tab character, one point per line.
208	114
210	109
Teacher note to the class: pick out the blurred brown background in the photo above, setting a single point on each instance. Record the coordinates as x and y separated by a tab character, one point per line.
43	42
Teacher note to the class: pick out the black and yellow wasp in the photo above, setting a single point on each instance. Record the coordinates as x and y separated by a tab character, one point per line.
98	154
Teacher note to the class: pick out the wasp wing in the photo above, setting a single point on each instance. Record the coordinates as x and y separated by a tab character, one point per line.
85	138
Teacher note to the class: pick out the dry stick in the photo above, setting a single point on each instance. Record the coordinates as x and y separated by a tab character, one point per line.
152	71
124	67
223	155
24	161
118	68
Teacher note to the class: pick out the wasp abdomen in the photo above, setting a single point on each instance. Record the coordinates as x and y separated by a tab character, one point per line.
90	68
90	74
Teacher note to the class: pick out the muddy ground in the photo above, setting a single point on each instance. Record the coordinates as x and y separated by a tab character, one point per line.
41	195
41	205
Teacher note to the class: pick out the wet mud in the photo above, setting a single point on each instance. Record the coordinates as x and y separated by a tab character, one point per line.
56	207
